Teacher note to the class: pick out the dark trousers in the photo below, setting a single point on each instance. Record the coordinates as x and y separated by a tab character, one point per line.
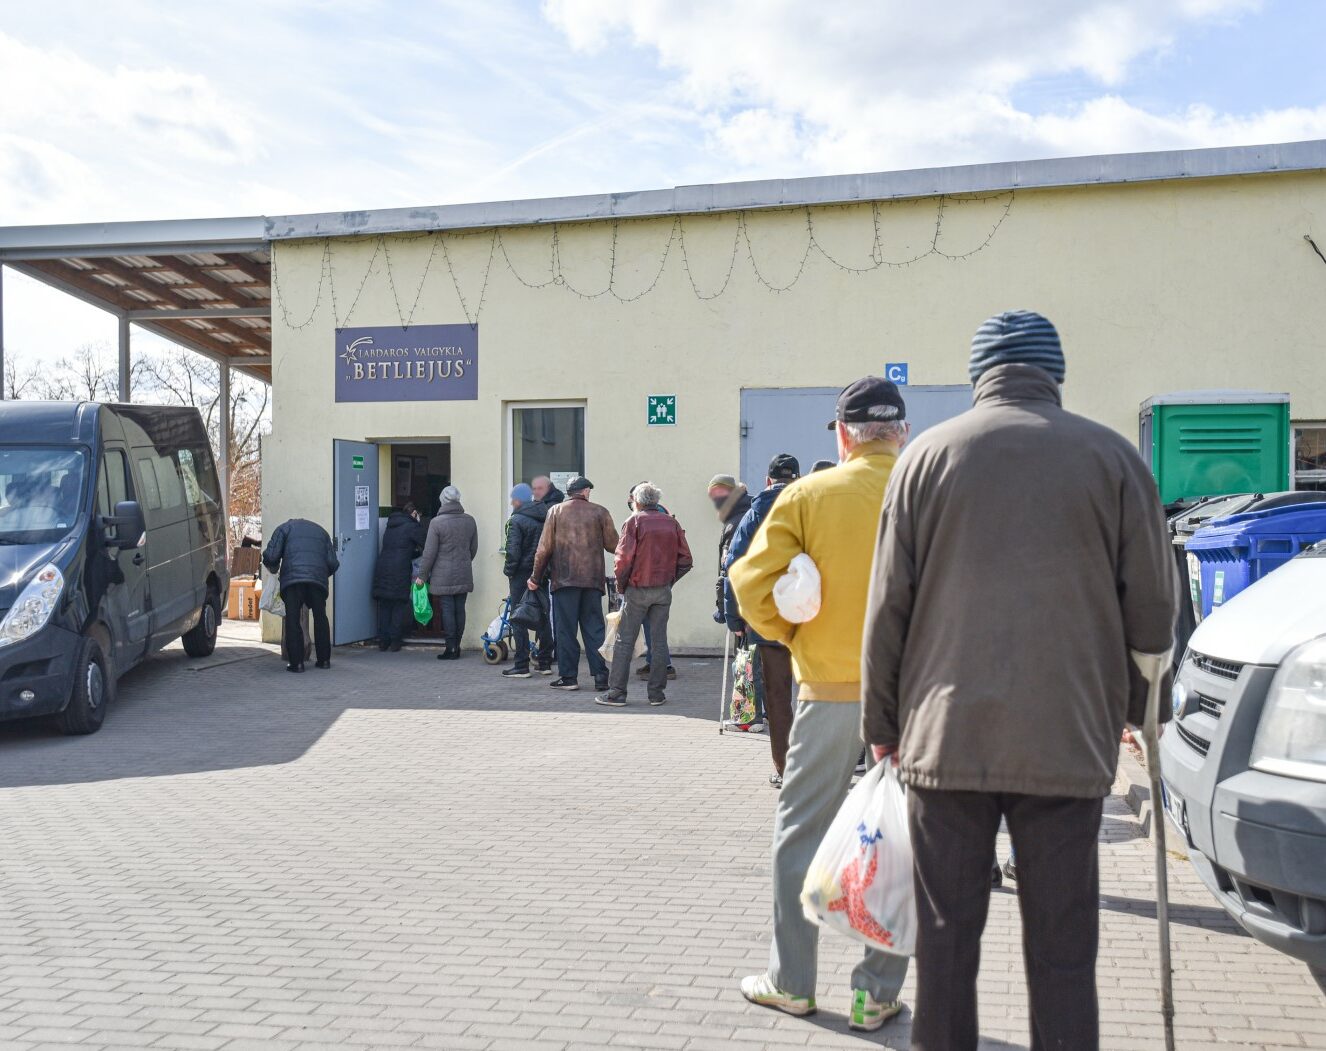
298	596
519	589
582	608
780	689
953	837
394	617
449	610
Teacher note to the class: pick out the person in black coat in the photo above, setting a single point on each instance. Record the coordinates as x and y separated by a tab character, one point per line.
301	552
402	541
523	530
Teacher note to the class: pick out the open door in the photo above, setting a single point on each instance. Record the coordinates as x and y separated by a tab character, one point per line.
355	535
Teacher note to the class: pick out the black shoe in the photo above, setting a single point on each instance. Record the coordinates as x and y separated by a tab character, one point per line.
642	672
544	669
395	647
449	654
516	673
996	877
672	672
565	684
601	685
322	666
383	644
294	668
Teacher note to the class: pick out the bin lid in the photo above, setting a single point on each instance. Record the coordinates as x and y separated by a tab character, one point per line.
1216	397
1305	520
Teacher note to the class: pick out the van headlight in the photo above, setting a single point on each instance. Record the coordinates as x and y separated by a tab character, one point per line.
1291	737
34	607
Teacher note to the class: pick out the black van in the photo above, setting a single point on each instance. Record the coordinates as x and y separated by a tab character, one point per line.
112	545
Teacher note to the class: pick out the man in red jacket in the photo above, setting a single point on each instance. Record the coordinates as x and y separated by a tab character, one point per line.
652	555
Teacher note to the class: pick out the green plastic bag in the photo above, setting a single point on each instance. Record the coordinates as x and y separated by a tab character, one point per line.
423	606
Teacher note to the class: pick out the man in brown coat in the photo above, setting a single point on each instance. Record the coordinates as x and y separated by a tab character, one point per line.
1022	554
575	536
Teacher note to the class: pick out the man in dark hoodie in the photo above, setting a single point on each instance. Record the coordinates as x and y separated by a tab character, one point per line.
545	492
523	530
731	501
774	659
402	542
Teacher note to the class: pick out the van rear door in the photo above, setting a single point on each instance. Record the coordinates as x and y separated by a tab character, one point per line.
176	596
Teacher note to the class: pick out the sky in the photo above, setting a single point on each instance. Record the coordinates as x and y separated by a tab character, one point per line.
144	109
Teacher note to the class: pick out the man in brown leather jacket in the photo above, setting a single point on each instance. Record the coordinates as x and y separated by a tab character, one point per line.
575	536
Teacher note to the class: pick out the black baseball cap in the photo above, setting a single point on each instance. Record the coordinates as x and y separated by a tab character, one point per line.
870	399
577	484
784	466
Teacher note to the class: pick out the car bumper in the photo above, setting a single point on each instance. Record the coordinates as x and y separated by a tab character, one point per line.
42	665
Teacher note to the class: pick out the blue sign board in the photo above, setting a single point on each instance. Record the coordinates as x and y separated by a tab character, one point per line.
419	363
896	373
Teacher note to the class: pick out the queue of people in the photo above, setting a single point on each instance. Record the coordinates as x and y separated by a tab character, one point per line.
993	579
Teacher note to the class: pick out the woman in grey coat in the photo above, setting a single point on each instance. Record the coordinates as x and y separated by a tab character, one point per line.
447	567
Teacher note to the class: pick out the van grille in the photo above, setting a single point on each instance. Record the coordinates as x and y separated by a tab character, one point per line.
1210	706
1212	666
1198	744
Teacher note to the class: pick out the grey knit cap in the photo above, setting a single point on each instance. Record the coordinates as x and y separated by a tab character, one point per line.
1016	337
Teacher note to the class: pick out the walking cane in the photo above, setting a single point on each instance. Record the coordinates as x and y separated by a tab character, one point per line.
1152	667
722	693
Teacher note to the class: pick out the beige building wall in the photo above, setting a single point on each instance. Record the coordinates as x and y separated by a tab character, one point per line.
1154	287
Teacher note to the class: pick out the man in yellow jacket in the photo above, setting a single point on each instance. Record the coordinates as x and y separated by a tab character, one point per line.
832	516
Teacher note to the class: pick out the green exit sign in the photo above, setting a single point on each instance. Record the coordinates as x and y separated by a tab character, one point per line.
662	410
357	463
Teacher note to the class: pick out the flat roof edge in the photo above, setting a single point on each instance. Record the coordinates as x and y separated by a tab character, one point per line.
145	237
1048	173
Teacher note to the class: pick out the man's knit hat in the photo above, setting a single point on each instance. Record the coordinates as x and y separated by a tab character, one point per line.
1016	337
726	481
522	492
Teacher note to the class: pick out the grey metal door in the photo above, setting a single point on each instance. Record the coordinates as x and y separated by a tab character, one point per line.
795	420
355	536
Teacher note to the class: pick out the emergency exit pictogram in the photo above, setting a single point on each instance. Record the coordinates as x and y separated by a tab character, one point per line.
662	410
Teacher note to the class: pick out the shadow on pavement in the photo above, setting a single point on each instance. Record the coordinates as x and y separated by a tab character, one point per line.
240	708
1207	917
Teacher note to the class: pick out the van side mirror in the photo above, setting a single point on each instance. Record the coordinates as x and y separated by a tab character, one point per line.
128	524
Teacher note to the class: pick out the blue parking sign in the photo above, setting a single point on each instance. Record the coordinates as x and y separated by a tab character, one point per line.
896	373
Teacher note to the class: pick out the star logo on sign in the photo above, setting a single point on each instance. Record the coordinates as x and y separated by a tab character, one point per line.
351	353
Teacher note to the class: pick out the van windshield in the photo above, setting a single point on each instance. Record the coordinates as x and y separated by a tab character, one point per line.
41	492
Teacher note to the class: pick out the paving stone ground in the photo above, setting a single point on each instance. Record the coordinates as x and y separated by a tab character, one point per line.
406	853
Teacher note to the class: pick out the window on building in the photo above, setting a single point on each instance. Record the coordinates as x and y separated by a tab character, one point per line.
1310	456
547	440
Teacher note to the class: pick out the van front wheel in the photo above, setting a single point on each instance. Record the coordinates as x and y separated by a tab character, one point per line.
94	689
200	640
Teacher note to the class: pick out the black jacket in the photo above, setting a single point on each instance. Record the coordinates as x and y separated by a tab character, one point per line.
301	552
402	541
523	530
734	516
553	496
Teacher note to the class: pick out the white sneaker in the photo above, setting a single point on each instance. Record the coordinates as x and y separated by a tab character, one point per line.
867	1015
759	989
743	728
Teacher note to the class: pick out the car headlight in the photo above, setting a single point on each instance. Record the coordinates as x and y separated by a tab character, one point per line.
34	607
1291	737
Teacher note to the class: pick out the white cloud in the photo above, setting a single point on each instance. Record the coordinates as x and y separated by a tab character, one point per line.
785	87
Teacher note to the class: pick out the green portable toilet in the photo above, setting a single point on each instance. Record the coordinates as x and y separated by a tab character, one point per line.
1209	443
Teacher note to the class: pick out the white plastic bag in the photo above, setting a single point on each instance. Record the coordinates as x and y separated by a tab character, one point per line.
271	600
494	632
860	882
797	593
613	623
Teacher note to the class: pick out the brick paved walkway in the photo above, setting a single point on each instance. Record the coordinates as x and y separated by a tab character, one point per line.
414	854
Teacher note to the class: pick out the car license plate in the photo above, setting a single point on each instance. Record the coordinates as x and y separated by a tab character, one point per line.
1175	809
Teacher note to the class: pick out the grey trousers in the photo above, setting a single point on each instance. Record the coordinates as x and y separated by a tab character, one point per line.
643	606
825	745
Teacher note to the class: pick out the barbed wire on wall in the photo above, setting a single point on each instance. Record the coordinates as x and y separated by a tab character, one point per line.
326	287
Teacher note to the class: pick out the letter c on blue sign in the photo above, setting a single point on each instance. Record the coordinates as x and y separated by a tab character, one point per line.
896	373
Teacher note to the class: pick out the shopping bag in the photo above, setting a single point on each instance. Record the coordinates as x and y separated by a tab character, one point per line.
423	605
797	592
745	706
494	632
612	623
271	600
860	881
528	615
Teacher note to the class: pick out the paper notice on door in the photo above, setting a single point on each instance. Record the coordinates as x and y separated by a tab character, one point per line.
562	479
361	508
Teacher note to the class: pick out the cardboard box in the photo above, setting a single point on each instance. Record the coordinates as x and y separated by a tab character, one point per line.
242	602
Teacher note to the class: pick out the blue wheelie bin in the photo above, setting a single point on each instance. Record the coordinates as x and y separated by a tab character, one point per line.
1228	554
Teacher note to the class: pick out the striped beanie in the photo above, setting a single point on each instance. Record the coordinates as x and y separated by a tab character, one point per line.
1016	337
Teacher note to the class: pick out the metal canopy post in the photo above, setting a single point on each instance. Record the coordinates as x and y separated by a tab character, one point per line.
125	393
223	438
2	332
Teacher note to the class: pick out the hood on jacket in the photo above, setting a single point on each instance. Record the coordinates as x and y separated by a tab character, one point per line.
764	499
1009	383
450	507
398	518
553	496
535	509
